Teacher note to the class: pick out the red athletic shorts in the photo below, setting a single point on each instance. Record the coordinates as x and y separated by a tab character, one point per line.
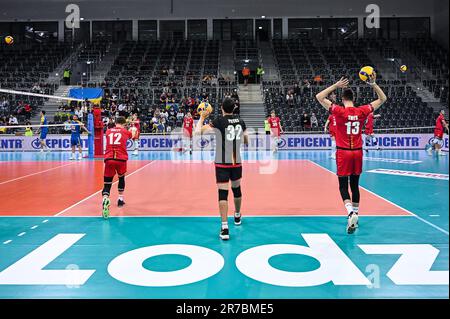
439	133
113	167
187	133
349	162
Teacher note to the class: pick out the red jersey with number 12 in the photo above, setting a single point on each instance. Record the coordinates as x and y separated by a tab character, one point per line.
188	123
116	143
274	125
349	124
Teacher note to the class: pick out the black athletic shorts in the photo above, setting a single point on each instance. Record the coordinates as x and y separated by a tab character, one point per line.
225	174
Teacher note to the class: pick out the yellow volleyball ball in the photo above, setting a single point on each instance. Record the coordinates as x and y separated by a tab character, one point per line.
365	73
205	106
9	40
403	68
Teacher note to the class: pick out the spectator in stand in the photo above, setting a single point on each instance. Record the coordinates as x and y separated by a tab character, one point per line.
4	107
306	88
180	117
318	80
172	117
297	93
66	76
305	121
290	98
13	120
246	74
3	123
259	73
161	127
27	111
79	113
314	121
36	88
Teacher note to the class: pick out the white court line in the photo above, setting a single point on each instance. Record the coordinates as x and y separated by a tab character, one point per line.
206	216
29	175
44	221
435	215
409	212
96	193
7	242
21	234
34	227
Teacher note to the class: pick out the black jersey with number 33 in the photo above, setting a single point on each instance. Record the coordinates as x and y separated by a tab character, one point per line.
229	132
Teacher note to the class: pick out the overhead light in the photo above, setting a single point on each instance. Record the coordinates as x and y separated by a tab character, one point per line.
84	73
246	60
260	28
56	74
81	19
263	17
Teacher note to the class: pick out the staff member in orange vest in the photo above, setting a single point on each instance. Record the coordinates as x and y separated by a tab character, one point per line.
246	74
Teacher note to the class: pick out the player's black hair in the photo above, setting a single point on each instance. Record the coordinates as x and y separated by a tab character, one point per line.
121	120
228	105
43	112
348	95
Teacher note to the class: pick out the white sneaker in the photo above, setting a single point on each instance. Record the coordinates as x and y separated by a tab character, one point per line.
72	158
442	153
430	152
79	158
333	156
352	223
136	153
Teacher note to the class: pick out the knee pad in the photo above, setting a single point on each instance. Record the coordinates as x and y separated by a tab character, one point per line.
107	185
121	185
237	192
223	195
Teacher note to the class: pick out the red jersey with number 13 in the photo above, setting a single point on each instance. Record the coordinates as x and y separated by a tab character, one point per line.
349	124
116	143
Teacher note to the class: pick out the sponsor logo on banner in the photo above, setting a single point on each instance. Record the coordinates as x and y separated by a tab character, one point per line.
169	142
410	173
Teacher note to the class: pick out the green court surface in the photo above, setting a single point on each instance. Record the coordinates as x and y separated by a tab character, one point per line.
274	256
102	241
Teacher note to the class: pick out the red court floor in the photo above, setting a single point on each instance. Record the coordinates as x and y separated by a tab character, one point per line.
169	189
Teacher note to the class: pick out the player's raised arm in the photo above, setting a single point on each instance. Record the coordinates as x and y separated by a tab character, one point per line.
382	98
84	128
199	127
322	97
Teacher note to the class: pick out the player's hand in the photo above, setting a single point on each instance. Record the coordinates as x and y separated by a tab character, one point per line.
204	114
325	131
372	78
342	83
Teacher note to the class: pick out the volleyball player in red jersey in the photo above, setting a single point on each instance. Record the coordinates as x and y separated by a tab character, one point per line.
436	143
116	157
368	131
275	128
136	123
188	124
349	143
330	126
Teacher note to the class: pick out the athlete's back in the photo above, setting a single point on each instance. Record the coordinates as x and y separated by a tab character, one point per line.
229	130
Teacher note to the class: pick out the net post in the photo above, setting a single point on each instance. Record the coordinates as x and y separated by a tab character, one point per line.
90	127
